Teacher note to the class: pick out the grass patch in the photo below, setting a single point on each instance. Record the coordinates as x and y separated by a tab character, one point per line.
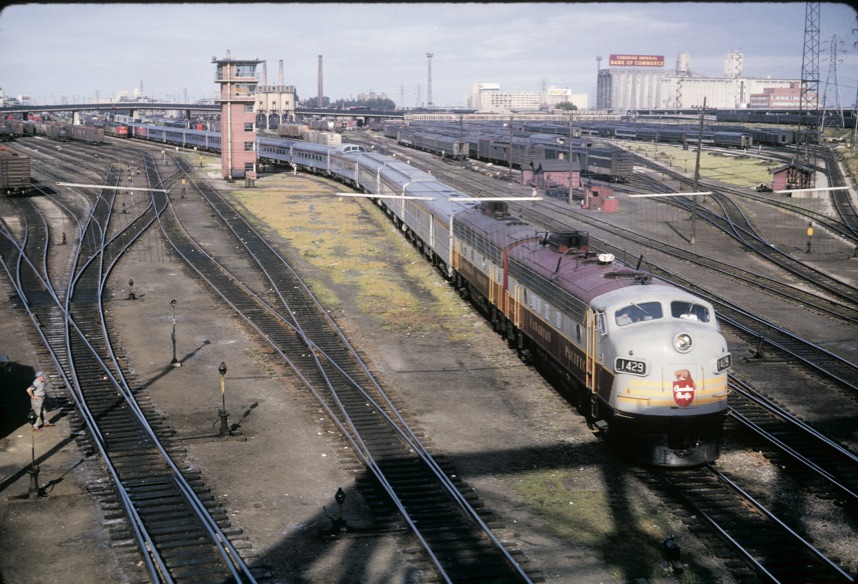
356	247
739	169
576	506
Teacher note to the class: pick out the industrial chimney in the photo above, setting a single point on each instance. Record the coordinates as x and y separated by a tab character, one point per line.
321	93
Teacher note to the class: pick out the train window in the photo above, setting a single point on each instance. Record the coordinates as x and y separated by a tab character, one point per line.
637	313
689	311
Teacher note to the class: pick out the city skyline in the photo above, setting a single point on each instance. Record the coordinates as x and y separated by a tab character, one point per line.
86	50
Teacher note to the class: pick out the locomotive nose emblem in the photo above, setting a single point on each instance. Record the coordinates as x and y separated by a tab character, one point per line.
683	388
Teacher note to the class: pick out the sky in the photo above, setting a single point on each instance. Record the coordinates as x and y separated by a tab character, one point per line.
77	52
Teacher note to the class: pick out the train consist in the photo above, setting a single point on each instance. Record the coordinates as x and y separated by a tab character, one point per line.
183	137
59	131
14	173
723	136
637	356
519	148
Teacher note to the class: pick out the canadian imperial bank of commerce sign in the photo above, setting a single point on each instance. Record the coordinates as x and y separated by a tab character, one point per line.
636	61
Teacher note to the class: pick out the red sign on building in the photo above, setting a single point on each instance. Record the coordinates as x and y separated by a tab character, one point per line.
636	61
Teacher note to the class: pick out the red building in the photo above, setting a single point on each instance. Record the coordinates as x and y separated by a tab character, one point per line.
781	98
792	176
551	173
237	80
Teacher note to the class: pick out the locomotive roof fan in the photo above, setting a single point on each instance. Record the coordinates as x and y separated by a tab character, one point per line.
564	241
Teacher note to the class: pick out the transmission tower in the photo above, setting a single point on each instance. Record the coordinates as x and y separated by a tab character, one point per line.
809	99
429	82
831	81
855	114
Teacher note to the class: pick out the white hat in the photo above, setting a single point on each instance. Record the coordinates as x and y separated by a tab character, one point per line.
40	373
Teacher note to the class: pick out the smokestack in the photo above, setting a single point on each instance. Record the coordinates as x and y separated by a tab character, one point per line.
280	74
264	73
429	81
321	94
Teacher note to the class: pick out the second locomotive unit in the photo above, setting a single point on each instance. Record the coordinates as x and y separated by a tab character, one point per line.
638	356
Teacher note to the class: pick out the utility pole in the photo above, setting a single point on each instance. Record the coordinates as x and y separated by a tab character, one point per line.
510	149
697	180
571	199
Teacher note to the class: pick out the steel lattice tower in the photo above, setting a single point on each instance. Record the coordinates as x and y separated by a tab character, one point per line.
831	80
809	99
855	105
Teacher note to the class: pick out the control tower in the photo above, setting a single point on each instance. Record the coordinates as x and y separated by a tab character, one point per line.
237	80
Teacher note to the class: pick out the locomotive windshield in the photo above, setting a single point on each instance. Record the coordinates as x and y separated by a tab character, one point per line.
638	312
689	311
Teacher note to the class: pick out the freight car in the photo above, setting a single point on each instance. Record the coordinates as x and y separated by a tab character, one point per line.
64	132
14	173
640	358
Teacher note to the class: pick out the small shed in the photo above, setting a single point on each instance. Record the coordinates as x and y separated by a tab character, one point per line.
792	175
599	196
550	172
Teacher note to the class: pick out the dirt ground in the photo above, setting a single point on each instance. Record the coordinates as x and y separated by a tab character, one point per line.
576	512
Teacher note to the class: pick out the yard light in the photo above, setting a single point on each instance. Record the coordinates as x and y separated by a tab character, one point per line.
224	416
175	362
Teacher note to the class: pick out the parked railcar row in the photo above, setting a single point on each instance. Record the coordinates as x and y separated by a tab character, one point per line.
717	136
490	143
60	131
787	118
641	355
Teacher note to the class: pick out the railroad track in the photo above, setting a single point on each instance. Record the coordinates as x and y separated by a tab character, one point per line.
829	468
769	549
822	466
410	488
181	535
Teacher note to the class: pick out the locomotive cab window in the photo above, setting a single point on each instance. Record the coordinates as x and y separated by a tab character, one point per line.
638	312
689	311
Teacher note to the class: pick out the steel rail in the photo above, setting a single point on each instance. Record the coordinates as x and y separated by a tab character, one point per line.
353	436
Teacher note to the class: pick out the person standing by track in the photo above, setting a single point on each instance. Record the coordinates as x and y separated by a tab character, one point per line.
38	396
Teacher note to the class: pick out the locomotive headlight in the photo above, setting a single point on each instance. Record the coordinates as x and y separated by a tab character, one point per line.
682	342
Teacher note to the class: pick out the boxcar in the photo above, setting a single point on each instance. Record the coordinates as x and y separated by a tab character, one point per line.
14	173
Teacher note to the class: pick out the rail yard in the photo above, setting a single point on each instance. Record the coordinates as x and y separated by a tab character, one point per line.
371	437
